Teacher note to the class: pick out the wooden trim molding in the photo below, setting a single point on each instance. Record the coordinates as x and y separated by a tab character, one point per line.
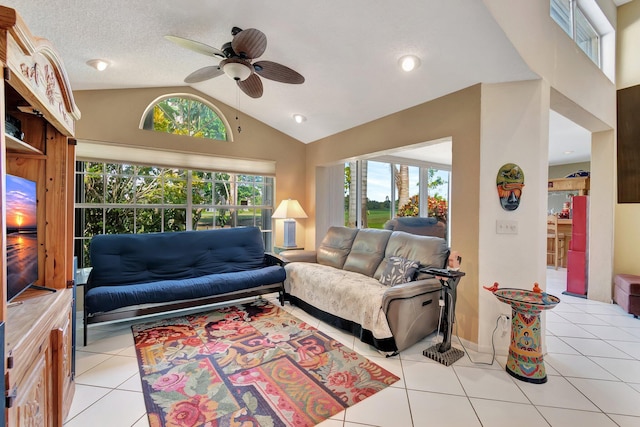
37	72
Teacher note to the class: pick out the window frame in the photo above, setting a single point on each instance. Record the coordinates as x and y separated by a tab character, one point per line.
260	216
570	25
143	125
578	15
423	191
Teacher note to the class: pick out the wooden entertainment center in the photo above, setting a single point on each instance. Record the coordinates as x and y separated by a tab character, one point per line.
38	324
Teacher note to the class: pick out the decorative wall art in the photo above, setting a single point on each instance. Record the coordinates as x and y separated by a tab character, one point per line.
510	181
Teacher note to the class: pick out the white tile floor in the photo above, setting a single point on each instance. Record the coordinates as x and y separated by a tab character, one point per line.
593	364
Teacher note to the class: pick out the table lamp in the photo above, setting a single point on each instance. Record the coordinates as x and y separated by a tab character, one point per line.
289	210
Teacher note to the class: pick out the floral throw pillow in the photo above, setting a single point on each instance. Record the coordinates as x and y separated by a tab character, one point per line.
399	270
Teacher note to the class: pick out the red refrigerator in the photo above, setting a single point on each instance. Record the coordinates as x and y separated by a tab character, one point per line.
577	263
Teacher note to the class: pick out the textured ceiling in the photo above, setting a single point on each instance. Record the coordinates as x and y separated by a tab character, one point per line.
348	52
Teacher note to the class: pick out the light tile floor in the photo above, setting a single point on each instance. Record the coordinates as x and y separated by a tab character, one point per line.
593	365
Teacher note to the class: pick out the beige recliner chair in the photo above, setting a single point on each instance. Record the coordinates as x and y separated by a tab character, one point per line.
422	226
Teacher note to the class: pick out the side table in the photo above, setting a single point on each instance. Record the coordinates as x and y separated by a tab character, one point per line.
443	352
525	355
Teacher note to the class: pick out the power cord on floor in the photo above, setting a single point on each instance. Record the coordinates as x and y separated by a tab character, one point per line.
436	340
493	347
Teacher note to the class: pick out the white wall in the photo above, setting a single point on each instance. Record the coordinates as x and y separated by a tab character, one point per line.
602	197
330	197
551	53
515	129
582	93
628	39
512	127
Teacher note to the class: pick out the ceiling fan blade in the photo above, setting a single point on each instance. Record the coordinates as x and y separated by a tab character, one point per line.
195	46
278	72
249	43
252	86
203	74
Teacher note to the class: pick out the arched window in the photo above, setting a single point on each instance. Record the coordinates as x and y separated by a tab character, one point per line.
185	115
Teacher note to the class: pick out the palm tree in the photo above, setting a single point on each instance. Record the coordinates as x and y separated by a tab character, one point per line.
401	175
353	191
363	201
352	195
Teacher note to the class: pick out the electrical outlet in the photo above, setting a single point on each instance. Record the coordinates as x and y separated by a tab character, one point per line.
503	324
506	226
504	321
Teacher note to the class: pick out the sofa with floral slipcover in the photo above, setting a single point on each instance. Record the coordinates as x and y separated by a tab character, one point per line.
368	282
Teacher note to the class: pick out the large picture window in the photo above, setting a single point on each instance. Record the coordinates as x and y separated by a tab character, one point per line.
123	198
377	191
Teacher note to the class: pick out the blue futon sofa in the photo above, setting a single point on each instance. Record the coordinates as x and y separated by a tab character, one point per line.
139	274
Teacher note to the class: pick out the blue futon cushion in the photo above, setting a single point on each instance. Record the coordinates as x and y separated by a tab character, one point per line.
131	269
124	259
106	298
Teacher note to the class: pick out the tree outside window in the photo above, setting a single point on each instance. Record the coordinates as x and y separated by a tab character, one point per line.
185	116
113	198
437	205
376	192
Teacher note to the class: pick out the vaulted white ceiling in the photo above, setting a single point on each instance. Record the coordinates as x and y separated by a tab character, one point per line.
348	52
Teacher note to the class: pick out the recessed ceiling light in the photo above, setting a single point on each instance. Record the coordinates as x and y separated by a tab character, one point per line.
299	118
567	152
409	62
98	64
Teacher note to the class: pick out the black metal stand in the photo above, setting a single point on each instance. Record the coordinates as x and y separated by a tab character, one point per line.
443	352
42	288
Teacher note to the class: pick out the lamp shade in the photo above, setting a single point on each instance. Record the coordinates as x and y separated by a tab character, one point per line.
289	209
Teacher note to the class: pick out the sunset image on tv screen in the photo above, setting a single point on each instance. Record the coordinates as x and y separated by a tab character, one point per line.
21	204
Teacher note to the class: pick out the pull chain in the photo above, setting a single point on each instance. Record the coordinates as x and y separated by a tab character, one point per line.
237	108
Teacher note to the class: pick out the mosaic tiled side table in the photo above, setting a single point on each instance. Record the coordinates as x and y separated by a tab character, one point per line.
525	355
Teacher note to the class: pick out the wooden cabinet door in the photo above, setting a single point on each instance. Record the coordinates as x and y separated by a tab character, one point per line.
31	406
62	383
40	376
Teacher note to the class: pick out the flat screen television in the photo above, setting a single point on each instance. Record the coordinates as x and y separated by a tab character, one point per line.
22	235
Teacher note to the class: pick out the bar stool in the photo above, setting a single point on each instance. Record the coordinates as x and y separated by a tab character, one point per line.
555	241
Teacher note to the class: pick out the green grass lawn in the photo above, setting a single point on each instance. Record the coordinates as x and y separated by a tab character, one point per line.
375	217
207	218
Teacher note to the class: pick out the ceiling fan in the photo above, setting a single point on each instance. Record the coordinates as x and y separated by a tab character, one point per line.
236	61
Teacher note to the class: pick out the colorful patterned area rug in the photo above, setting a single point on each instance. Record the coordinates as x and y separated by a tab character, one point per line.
248	365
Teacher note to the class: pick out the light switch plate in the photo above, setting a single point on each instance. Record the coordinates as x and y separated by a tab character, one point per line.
504	226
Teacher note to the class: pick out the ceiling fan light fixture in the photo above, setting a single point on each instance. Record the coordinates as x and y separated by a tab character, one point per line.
409	62
236	70
237	63
98	64
299	118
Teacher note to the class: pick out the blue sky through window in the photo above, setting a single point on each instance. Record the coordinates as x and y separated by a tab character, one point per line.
379	182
